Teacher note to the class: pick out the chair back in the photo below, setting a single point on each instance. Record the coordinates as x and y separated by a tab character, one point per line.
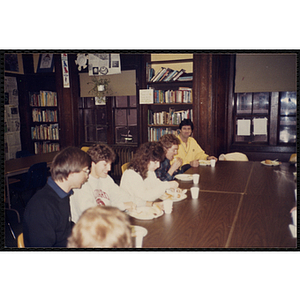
37	175
124	167
234	156
20	241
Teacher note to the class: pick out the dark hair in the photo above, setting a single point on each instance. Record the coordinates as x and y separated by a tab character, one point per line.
150	151
168	140
99	152
186	122
69	160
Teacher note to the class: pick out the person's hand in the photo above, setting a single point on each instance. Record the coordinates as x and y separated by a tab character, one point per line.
130	206
212	157
173	184
177	163
194	163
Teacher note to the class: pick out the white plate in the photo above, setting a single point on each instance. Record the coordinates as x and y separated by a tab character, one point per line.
166	196
146	213
273	164
204	162
138	229
184	177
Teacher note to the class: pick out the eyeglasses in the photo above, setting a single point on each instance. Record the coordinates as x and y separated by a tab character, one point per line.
86	171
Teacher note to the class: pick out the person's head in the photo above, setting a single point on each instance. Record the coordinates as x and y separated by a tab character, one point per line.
147	158
102	157
186	128
71	164
101	227
170	144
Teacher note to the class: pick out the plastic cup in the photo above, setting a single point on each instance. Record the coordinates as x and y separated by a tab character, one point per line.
294	217
213	162
168	206
195	192
139	240
196	178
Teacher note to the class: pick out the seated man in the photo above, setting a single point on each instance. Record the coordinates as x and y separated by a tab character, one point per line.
189	150
166	171
100	189
47	217
101	227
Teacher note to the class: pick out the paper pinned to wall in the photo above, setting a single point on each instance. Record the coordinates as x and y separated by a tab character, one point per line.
104	64
243	127
260	126
146	96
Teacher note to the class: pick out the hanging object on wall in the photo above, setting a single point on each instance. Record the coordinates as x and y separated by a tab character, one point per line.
65	70
104	64
81	61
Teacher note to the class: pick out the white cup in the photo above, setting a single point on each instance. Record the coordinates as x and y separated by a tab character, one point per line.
294	217
168	206
213	162
196	178
139	240
195	192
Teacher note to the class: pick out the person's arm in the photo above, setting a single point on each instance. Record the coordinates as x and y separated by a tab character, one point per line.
81	200
39	226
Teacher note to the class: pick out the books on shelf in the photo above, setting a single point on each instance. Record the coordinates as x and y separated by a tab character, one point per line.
45	147
170	117
167	75
45	132
155	133
182	95
43	98
42	115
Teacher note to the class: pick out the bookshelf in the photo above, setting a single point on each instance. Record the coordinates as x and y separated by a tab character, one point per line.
45	123
172	96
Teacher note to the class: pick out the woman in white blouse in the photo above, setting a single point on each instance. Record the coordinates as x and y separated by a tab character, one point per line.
140	179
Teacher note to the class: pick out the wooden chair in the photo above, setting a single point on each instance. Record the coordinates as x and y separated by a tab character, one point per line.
124	167
20	241
85	149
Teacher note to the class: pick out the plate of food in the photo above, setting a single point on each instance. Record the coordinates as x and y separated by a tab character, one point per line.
270	163
203	162
174	194
146	213
184	177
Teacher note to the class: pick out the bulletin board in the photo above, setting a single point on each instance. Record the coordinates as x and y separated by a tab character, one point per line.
123	84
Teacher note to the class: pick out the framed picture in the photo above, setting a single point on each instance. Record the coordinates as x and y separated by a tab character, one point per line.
45	63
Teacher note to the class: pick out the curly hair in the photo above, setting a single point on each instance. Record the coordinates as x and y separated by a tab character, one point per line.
99	152
168	140
151	151
101	227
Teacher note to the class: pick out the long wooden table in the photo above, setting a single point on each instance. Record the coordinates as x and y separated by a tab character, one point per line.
21	165
240	205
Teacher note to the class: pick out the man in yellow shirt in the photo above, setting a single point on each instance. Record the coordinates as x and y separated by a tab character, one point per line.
189	150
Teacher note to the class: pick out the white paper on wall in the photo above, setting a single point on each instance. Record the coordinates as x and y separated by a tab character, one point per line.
104	64
146	96
243	127
260	126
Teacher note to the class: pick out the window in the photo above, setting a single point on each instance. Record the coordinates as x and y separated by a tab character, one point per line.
288	117
252	117
125	117
93	120
254	122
